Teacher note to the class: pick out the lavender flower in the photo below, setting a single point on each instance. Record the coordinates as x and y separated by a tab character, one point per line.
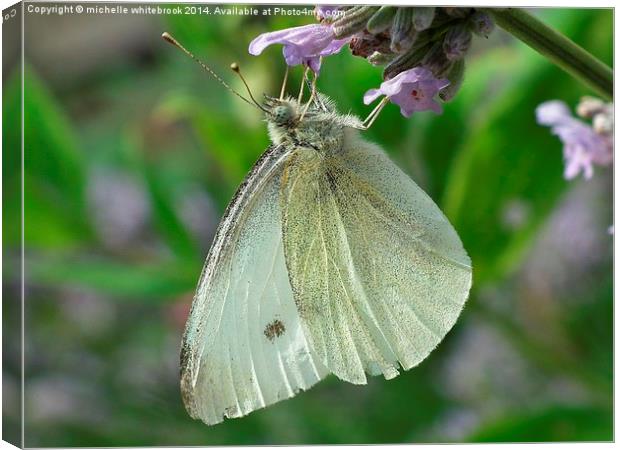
481	24
302	45
432	40
413	90
583	147
601	114
457	42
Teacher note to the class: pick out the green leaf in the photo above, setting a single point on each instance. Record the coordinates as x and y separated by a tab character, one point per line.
165	214
590	326
139	282
506	160
51	148
11	161
232	153
166	217
54	165
555	424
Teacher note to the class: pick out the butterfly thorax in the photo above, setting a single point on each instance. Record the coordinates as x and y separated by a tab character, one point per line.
319	127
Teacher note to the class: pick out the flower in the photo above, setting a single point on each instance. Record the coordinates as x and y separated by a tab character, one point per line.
481	24
412	90
457	42
583	147
302	45
588	107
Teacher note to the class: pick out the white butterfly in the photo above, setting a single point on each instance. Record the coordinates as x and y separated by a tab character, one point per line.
329	259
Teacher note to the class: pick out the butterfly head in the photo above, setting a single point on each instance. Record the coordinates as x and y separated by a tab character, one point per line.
315	125
286	113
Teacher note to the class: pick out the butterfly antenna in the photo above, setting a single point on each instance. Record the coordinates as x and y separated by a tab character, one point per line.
235	68
168	38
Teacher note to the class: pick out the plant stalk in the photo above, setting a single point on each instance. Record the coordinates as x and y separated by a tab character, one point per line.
557	48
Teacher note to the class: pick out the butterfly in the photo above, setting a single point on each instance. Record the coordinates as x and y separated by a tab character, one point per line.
328	260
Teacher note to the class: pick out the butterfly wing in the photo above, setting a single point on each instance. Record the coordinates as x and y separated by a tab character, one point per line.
243	346
378	273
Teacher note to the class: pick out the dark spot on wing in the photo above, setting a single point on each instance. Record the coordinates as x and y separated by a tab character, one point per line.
274	329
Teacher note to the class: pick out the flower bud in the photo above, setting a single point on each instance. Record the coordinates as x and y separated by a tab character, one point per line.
481	24
353	20
455	75
459	13
440	18
422	18
589	106
412	58
381	20
379	59
403	34
603	123
456	42
436	61
364	44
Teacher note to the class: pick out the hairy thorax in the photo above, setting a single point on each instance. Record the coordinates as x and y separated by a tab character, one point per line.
320	128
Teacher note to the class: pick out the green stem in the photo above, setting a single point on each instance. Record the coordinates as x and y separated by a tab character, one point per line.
557	48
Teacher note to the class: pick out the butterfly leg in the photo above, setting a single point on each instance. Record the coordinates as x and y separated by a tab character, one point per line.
312	94
284	83
374	113
301	89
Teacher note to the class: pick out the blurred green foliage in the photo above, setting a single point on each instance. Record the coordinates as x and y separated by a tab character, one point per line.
171	131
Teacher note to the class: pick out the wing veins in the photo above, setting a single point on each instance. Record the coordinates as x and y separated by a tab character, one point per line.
329	309
234	389
348	297
365	296
367	187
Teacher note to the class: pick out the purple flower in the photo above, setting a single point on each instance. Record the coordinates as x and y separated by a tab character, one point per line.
583	147
302	45
413	90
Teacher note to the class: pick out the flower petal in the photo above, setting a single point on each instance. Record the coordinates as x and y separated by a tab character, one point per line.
313	35
413	90
314	64
583	147
334	47
302	45
435	107
552	112
371	95
406	110
292	55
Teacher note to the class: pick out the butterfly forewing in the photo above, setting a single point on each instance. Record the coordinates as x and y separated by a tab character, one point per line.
379	275
244	347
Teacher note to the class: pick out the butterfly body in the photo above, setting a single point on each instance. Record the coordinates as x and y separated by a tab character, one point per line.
329	259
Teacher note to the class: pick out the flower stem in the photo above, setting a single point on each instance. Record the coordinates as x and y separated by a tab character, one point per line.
557	48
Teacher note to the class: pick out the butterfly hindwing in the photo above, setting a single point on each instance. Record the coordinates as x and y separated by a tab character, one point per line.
378	273
244	347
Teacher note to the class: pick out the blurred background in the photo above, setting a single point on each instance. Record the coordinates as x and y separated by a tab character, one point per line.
131	155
